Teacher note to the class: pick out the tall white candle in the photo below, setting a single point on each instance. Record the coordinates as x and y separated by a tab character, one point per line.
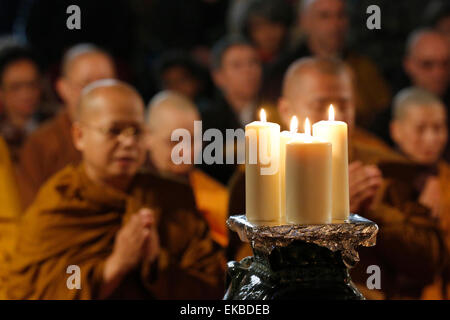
262	172
285	137
336	132
308	179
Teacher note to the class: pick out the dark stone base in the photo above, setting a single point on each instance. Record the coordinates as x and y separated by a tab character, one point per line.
300	270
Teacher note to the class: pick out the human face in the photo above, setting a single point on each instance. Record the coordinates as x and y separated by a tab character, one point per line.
84	69
20	90
326	24
240	73
160	144
428	65
268	36
312	98
110	137
422	133
178	79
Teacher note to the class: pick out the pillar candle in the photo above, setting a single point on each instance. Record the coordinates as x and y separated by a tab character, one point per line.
308	179
262	172
285	137
336	133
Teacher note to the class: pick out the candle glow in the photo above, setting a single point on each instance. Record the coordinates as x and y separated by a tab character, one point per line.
262	115
331	113
307	127
294	124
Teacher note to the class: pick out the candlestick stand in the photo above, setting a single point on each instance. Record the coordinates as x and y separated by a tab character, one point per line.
298	261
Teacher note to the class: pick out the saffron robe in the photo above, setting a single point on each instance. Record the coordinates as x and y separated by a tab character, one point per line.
74	222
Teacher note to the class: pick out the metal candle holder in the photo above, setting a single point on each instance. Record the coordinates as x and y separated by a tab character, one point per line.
298	261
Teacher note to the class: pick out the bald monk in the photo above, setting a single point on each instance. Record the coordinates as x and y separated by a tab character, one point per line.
169	111
131	233
310	86
9	211
420	132
50	148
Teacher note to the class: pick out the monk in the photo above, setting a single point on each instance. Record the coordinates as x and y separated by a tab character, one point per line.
310	86
50	148
132	234
422	190
169	111
9	211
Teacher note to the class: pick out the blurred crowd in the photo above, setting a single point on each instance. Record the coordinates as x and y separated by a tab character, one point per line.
86	118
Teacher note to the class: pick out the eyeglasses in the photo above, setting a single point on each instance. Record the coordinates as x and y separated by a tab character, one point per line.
115	132
429	64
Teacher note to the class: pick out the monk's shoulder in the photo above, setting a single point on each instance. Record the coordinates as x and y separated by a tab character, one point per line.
57	188
48	133
4	152
373	153
444	168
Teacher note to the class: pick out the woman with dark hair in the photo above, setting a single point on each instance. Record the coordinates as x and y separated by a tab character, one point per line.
179	72
266	24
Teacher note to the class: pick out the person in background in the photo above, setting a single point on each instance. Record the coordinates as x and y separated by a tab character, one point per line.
266	24
20	95
170	111
437	16
310	86
177	71
325	24
134	235
236	71
50	148
427	62
427	66
417	193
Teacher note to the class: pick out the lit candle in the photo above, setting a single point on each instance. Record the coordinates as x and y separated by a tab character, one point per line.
262	171
336	133
285	137
308	179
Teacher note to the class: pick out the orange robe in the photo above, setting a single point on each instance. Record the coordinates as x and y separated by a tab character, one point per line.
74	222
410	250
440	289
211	198
9	211
46	151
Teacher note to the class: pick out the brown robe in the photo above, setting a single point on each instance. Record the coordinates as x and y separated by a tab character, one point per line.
46	151
74	222
9	211
411	250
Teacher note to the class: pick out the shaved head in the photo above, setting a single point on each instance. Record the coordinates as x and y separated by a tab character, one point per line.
94	94
424	37
82	64
419	125
300	70
168	104
109	132
414	97
311	85
81	50
427	61
168	112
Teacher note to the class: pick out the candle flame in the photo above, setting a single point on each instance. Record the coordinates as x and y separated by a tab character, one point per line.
307	127
262	115
294	124
331	113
